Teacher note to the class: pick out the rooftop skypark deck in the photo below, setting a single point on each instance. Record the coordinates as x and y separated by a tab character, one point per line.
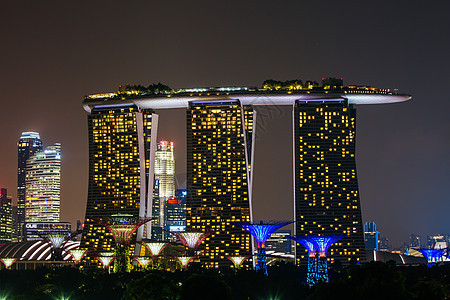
275	95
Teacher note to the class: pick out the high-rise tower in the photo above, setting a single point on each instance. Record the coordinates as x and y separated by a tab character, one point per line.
121	160
29	144
325	183
6	218
165	175
218	185
42	185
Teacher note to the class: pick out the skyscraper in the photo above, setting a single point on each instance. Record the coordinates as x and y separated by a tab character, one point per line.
371	236
325	183
6	217
29	144
165	175
42	185
121	156
175	212
218	185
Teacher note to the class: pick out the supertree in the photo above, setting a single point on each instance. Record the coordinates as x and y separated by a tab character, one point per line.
122	227
323	243
317	247
57	241
106	258
432	255
237	261
78	254
143	260
311	275
8	261
155	249
191	239
185	260
261	232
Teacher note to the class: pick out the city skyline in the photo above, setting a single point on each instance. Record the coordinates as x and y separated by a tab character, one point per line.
402	149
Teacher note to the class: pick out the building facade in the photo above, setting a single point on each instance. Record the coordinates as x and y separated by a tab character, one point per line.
175	213
218	185
371	236
34	231
121	178
165	175
325	182
29	144
6	217
43	185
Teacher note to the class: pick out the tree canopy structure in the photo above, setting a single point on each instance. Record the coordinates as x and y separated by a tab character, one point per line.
122	227
261	232
317	247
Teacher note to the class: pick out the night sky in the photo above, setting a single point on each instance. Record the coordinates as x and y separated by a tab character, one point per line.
52	53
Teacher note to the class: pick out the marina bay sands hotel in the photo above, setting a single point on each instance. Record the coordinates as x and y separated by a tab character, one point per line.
220	124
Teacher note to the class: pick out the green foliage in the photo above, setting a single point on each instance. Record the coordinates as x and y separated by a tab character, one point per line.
366	281
203	287
289	85
151	287
122	263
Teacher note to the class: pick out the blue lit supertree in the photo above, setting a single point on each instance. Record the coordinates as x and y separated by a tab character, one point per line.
261	232
311	275
317	247
323	243
432	255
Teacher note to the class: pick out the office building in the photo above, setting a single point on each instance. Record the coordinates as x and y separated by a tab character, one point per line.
29	144
279	242
121	177
165	175
436	241
325	182
414	241
43	185
35	231
157	225
175	213
6	217
218	185
371	236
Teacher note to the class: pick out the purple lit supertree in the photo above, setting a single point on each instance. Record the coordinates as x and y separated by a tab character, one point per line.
432	255
122	227
191	239
317	247
311	275
261	232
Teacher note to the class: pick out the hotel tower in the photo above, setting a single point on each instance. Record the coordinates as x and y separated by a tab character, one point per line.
122	144
219	138
220	146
